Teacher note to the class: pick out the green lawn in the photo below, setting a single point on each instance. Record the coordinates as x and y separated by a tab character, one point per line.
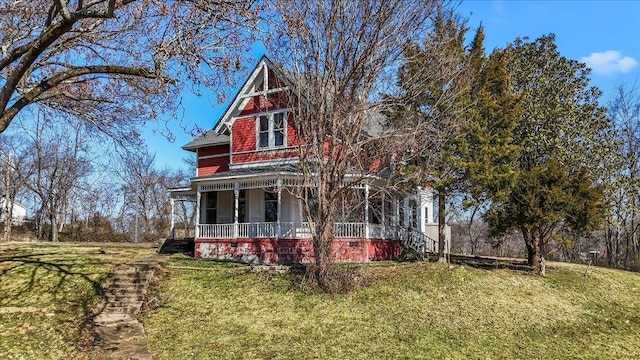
407	311
46	291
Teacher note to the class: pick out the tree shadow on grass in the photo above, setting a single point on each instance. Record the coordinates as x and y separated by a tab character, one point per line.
71	284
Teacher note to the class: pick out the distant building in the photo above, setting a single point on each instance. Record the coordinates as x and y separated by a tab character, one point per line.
18	213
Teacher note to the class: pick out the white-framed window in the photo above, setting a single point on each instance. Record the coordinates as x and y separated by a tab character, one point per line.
272	130
270	205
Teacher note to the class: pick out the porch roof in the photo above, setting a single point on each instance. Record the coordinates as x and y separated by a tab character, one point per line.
211	138
289	170
182	193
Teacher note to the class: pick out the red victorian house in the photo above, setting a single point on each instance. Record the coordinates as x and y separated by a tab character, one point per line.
245	185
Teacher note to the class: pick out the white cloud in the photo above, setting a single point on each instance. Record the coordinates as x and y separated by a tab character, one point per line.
609	62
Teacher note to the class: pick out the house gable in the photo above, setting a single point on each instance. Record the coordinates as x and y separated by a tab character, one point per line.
259	121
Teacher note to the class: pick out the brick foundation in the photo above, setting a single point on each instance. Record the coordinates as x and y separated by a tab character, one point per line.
290	251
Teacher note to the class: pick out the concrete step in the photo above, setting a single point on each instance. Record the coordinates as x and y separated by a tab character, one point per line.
125	297
106	319
121	309
125	284
124	303
122	291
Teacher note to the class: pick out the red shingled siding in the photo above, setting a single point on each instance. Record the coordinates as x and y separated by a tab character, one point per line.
212	165
209	166
213	150
243	145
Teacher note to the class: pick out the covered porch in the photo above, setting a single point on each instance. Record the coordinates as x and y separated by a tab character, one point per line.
261	219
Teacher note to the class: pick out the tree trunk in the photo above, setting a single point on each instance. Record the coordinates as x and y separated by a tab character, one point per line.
441	227
322	242
8	219
54	229
535	258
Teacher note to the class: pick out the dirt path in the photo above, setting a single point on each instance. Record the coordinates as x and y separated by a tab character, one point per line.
118	333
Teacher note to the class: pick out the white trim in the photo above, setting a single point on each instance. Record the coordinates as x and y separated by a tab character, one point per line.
264	93
212	156
264	64
271	133
257	114
265	150
260	163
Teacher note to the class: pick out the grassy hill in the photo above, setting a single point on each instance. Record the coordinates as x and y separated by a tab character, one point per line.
408	310
46	291
211	310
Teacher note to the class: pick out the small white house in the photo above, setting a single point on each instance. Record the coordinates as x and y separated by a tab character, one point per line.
18	213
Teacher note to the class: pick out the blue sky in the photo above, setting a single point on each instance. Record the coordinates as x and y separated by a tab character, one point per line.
603	34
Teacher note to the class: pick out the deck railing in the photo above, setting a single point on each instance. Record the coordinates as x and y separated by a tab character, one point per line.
410	238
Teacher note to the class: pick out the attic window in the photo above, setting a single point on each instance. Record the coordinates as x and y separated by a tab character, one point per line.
271	130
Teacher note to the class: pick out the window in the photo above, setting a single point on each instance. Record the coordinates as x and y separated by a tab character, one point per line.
242	206
272	130
211	208
270	206
375	212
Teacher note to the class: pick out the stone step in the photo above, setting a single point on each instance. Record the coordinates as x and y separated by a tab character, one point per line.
132	275
121	281
124	303
144	269
123	291
125	284
121	309
125	297
106	319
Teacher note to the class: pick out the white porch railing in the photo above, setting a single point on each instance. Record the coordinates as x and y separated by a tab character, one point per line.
350	230
410	238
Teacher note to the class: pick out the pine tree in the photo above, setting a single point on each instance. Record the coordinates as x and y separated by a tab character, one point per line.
561	139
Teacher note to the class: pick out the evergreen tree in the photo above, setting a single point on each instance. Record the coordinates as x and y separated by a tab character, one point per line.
561	139
434	83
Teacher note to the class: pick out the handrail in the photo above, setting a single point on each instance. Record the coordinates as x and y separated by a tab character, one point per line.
411	239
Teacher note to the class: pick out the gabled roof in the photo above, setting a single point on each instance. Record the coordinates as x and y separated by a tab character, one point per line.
210	138
219	134
239	101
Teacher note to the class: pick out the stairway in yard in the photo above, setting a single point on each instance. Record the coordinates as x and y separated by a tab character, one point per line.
118	332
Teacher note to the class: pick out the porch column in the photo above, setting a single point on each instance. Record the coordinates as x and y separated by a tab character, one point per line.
366	211
407	212
384	217
236	194
198	195
172	231
396	212
279	212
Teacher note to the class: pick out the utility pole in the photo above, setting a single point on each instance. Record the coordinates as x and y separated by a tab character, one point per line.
8	205
135	239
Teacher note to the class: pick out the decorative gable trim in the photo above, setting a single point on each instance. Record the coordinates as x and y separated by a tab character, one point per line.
247	91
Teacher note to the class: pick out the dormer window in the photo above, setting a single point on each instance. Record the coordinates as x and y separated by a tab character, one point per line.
272	130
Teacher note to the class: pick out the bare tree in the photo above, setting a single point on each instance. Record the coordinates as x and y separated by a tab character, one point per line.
342	56
57	161
145	194
115	64
622	234
14	152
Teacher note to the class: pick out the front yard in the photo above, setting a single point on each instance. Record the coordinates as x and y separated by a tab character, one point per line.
46	292
408	310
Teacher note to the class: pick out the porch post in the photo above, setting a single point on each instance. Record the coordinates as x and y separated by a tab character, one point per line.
198	195
407	212
172	231
384	217
396	211
236	194
278	229
366	211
